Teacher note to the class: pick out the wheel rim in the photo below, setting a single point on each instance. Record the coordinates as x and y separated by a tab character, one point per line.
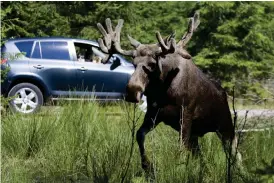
26	100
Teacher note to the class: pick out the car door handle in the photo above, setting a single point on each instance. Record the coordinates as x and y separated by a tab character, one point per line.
38	66
83	69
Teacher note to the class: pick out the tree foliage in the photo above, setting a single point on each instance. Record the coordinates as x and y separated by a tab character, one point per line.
234	42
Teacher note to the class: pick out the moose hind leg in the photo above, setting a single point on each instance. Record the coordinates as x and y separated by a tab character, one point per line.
235	149
230	142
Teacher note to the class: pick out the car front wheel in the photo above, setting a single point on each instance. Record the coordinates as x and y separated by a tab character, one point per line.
26	98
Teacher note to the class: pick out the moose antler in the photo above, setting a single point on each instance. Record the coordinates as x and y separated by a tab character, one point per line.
108	37
111	43
192	26
168	45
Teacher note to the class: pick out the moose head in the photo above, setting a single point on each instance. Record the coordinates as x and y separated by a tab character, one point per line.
150	60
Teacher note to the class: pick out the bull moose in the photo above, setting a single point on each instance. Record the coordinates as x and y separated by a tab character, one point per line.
178	92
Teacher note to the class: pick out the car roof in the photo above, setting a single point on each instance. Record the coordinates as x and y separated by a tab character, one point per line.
54	38
93	42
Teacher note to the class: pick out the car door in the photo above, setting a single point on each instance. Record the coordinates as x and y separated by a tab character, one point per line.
52	62
103	80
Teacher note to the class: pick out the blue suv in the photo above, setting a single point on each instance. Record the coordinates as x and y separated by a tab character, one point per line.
60	68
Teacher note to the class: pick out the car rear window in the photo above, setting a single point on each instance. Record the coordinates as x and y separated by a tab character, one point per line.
25	47
55	50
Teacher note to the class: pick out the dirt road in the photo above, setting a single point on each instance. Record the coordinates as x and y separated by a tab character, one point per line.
255	112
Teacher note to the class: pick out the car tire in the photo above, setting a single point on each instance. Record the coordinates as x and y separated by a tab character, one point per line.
26	98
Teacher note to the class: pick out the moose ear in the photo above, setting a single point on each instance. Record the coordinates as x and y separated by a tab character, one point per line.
167	39
133	42
170	76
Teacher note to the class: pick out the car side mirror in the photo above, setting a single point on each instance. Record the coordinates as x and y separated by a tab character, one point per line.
116	63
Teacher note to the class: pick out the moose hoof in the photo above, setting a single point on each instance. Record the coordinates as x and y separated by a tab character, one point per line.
149	171
148	167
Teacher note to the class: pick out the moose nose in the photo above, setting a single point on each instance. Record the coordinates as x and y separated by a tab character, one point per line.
133	93
134	98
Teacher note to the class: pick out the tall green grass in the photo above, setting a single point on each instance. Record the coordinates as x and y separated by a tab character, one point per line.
88	142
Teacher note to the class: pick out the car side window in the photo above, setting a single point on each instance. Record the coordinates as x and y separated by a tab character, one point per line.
25	47
36	51
88	53
55	50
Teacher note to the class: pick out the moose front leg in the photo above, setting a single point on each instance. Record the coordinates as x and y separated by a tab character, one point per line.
191	143
141	133
148	124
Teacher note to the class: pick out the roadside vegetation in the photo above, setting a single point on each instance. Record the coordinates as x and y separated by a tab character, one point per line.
91	142
88	142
